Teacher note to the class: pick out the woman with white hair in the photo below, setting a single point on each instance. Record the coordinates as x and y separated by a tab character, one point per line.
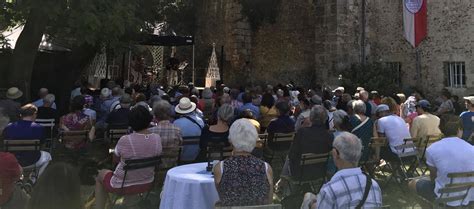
243	179
363	126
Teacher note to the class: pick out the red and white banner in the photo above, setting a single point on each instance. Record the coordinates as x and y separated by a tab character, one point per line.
415	21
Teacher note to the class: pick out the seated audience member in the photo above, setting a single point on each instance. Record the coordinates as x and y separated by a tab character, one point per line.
392	105
449	155
425	124
140	144
267	110
116	95
315	139
89	103
59	187
347	187
11	195
76	120
140	100
11	105
103	107
364	96
362	126
206	103
242	179
282	124
247	104
467	118
302	117
234	93
191	126
446	106
46	111
218	133
247	114
170	134
393	128
40	102
26	128
119	117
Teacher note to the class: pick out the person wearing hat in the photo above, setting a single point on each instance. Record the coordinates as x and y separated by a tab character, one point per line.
11	195
46	111
10	105
40	102
190	124
119	117
393	128
425	124
467	118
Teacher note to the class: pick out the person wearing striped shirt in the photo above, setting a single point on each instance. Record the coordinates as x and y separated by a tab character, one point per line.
347	187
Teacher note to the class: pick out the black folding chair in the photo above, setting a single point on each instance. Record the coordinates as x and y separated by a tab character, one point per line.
312	169
114	134
48	124
406	165
189	141
136	164
24	145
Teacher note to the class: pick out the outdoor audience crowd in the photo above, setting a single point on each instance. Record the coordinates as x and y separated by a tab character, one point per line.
323	120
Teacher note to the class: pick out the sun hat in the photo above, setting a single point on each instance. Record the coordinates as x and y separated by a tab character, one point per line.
185	106
105	92
340	88
470	99
382	107
14	93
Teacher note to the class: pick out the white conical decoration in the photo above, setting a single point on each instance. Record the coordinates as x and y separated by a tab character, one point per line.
212	74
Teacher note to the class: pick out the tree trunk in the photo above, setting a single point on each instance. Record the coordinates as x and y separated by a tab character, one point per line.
26	48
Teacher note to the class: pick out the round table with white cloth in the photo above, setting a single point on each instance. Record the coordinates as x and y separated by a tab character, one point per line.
189	186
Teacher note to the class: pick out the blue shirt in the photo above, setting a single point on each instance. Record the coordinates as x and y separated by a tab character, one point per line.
467	118
254	109
40	103
189	128
23	129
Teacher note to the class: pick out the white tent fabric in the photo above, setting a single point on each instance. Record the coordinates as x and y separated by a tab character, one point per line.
46	44
212	74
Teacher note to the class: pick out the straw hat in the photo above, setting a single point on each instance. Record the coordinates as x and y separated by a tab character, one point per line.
14	93
185	106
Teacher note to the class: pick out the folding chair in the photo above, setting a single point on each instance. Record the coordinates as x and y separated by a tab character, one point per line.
170	157
71	140
113	135
278	140
218	151
189	141
455	190
136	164
48	124
24	145
373	154
407	162
312	169
272	206
423	144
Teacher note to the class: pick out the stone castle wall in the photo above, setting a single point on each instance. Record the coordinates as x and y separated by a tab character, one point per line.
313	41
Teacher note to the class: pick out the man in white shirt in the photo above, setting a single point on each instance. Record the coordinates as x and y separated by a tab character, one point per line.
40	102
393	128
449	155
425	124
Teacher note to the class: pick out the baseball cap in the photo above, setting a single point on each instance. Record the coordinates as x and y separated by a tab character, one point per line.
424	104
382	107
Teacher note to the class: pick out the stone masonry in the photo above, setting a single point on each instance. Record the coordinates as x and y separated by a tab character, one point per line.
313	41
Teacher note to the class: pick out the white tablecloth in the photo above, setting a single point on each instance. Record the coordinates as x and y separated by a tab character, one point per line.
189	186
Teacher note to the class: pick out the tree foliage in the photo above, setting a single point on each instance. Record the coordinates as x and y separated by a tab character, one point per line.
374	76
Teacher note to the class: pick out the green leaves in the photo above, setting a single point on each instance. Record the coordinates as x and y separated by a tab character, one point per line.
376	76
